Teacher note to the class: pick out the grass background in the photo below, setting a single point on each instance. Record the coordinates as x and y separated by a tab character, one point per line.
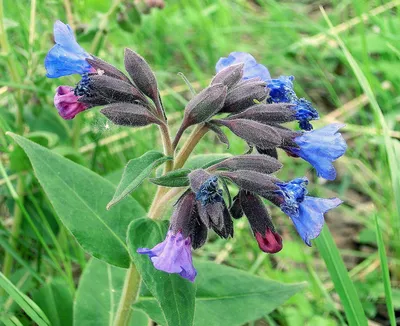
349	70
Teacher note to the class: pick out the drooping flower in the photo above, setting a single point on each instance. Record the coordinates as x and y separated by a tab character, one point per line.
320	148
252	69
307	213
67	102
260	221
66	57
209	192
173	255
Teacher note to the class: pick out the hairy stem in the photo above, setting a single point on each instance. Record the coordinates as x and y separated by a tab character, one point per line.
189	146
168	149
129	294
162	202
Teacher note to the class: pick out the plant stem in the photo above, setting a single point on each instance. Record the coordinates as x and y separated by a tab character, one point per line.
129	294
189	146
168	149
162	201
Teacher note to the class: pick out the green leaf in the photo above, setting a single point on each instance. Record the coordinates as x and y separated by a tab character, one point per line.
204	161
176	178
228	296
340	278
136	171
175	295
55	299
98	296
26	304
79	197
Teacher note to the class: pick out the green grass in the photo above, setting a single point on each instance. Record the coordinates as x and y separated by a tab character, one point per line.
350	73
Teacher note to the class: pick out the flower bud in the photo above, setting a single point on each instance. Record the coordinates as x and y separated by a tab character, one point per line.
244	95
67	103
141	74
104	68
229	76
128	114
252	162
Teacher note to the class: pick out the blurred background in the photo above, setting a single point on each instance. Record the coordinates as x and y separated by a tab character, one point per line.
350	71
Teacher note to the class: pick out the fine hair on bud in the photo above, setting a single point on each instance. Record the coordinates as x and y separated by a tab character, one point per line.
229	76
251	162
104	68
268	113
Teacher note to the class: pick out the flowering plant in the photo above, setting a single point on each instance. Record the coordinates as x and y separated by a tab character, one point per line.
243	98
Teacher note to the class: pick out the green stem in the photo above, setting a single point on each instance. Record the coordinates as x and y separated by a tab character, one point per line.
129	294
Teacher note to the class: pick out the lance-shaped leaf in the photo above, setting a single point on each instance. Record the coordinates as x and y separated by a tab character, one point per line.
136	171
116	90
252	162
141	74
107	69
258	134
268	113
244	95
229	76
218	131
257	182
129	114
176	178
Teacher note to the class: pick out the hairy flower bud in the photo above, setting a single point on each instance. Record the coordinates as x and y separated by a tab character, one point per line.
104	68
141	74
244	95
255	133
229	76
268	113
128	114
252	162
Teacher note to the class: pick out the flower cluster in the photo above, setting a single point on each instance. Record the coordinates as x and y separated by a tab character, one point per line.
242	97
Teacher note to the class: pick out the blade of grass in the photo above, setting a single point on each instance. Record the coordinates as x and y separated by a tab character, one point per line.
385	273
340	277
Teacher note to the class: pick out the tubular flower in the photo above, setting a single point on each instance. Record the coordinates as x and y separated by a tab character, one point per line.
320	148
67	103
173	255
281	90
307	213
66	57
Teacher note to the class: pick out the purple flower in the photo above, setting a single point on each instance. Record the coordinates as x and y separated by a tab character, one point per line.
270	241
320	148
66	57
67	103
173	255
307	213
251	69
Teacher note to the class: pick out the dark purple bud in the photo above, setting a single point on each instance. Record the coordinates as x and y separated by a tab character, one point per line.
199	231
236	208
104	68
244	95
218	131
252	162
204	105
227	230
260	221
229	76
268	113
116	90
257	182
197	179
258	134
141	74
182	219
128	114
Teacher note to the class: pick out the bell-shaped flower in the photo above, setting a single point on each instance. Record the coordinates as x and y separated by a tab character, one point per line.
67	102
320	148
173	255
307	213
66	57
251	69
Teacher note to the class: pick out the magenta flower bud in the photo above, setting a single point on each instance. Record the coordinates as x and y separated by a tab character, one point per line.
270	242
67	103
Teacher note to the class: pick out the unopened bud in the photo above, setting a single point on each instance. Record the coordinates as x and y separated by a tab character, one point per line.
229	76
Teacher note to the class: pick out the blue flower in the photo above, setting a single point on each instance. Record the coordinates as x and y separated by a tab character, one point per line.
251	69
281	90
320	148
209	192
306	213
173	255
304	113
66	57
